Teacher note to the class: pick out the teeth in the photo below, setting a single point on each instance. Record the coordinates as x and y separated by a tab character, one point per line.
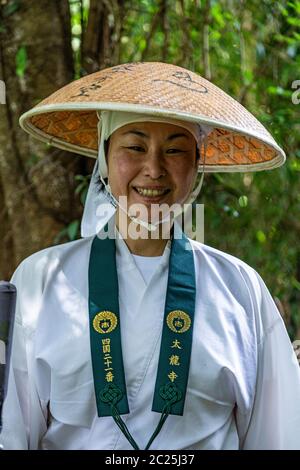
151	192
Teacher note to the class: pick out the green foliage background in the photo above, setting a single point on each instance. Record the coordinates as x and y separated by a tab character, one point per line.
254	55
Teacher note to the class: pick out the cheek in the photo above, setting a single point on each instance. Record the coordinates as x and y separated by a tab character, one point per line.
184	175
120	171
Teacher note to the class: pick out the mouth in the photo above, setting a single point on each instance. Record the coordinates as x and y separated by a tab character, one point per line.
151	193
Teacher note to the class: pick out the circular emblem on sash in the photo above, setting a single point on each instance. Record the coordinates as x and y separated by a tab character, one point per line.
105	322
178	321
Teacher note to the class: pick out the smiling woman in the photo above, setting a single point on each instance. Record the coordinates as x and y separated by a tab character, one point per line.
182	339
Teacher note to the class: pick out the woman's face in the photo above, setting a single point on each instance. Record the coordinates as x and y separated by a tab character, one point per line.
152	163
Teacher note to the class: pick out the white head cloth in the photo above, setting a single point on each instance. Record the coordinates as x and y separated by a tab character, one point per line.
99	207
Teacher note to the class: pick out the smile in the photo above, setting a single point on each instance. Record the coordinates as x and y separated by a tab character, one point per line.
151	192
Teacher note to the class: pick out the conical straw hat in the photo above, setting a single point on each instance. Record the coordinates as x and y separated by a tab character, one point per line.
67	119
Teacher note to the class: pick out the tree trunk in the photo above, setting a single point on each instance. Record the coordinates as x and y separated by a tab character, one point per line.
205	40
36	182
99	40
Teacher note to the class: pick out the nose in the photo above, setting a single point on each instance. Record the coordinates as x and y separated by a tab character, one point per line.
154	165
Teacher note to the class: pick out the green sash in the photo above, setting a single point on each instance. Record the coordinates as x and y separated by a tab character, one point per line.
105	334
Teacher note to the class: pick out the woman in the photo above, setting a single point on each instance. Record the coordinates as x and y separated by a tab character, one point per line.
136	336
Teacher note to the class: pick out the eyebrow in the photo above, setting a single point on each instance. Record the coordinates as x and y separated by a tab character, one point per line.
142	134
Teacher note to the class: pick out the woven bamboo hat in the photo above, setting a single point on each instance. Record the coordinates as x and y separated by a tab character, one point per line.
68	118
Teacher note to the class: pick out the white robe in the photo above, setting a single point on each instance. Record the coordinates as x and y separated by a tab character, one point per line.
244	381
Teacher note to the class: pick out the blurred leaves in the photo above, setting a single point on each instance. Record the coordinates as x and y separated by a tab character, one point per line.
82	187
70	233
10	7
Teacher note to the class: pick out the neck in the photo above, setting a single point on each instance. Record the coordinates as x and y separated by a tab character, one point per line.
139	240
142	248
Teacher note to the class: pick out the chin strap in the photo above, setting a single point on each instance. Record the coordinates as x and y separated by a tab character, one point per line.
111	198
195	193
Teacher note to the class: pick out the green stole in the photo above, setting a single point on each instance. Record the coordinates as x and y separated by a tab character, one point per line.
105	334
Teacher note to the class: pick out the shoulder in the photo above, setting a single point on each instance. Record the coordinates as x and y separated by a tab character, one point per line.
37	270
229	273
48	258
220	260
220	271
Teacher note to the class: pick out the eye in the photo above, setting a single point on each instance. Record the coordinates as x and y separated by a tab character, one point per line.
174	151
136	148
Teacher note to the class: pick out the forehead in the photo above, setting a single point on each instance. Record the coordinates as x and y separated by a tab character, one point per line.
149	129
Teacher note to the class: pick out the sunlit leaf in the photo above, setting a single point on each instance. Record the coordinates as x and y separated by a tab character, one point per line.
261	237
243	201
21	61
